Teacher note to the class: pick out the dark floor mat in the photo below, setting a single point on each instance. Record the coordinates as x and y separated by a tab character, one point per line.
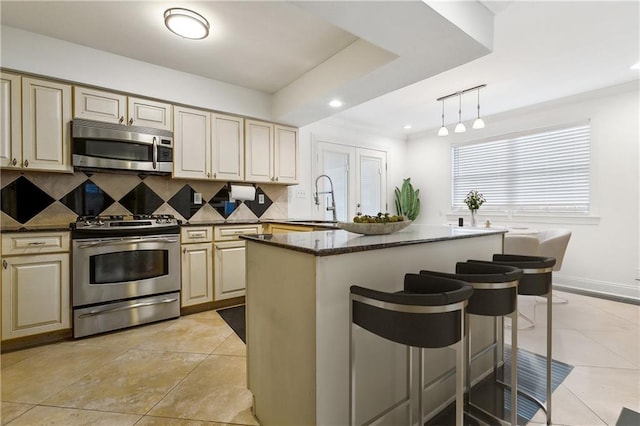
628	418
235	317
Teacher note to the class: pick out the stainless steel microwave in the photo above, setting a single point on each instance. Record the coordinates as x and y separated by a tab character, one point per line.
99	145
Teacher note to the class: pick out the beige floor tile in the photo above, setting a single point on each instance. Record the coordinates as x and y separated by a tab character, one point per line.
132	383
42	415
190	335
233	345
47	372
11	410
620	342
571	347
10	358
215	391
166	421
606	390
128	338
212	315
567	409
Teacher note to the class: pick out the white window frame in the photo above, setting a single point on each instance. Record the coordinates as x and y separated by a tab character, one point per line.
569	145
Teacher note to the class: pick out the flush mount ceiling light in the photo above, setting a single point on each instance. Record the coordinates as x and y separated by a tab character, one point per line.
186	23
335	103
460	127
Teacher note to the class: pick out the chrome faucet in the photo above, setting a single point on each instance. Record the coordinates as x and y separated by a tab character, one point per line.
316	197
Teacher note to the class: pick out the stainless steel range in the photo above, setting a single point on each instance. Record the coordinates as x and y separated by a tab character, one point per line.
126	271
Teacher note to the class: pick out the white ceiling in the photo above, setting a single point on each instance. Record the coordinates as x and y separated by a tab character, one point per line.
389	61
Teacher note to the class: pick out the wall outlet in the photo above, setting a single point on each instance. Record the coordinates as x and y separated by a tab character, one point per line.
197	198
301	193
260	198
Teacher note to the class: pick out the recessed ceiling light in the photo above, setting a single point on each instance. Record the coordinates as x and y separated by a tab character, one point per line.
186	23
335	103
636	66
407	126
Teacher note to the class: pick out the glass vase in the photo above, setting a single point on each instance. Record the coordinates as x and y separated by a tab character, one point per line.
474	214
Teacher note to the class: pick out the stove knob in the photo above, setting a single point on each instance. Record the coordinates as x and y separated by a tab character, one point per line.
99	223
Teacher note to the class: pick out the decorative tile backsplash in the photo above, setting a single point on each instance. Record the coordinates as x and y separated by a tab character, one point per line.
36	199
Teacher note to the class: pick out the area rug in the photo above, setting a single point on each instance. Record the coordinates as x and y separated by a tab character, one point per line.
628	418
531	379
235	318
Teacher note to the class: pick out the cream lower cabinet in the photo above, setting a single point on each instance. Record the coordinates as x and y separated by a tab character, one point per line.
229	260
197	265
36	289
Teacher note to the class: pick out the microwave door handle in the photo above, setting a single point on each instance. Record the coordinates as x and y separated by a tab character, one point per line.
127	241
155	153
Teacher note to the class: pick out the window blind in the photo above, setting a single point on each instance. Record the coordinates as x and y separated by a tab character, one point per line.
537	172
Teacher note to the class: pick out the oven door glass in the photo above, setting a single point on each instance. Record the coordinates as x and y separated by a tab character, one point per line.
123	266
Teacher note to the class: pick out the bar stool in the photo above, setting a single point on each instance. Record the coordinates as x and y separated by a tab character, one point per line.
427	314
495	294
536	281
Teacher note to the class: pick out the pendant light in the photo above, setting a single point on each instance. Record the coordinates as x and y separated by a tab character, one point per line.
460	128
479	122
443	130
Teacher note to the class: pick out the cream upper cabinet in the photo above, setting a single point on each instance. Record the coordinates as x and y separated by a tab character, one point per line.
144	112
35	284
259	151
10	121
271	152
46	112
286	154
192	144
110	107
227	147
99	105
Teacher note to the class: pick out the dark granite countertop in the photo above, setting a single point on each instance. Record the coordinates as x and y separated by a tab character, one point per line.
42	228
328	243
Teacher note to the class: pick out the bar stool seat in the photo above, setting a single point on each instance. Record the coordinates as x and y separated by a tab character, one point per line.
536	281
495	294
427	314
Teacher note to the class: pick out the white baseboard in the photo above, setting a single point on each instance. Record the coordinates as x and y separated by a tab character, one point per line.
598	288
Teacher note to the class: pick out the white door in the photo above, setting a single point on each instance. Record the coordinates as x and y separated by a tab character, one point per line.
371	175
359	179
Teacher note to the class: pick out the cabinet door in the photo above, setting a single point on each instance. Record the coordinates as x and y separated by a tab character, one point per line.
144	112
46	112
99	105
35	295
228	147
229	269
197	274
192	144
286	154
10	115
259	151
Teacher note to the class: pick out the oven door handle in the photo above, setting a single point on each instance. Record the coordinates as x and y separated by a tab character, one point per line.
127	241
125	308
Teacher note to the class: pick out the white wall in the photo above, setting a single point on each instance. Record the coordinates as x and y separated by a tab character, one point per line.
331	130
604	251
37	54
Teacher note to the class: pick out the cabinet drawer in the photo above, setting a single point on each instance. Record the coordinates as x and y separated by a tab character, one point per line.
35	242
196	234
223	233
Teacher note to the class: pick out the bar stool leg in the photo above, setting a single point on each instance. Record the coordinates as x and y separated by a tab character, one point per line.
549	352
352	370
460	374
514	365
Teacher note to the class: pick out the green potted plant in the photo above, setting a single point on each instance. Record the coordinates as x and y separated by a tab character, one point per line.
407	201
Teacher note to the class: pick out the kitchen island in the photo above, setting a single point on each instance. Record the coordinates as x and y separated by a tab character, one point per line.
298	322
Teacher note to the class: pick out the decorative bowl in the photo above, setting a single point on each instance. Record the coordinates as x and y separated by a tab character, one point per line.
374	228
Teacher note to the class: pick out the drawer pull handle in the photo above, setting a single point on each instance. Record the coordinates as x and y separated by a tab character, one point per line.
4	264
37	243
